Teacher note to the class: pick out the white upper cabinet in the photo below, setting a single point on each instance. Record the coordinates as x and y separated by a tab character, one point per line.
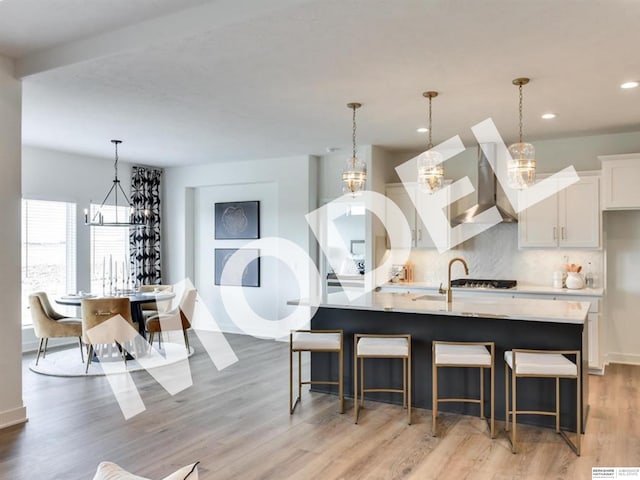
620	180
568	219
403	199
579	214
538	224
423	239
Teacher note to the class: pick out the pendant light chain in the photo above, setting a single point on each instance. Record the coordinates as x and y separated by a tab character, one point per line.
430	144
115	165
353	137
520	110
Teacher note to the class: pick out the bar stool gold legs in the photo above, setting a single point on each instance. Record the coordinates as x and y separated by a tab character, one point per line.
467	355
381	346
541	364
315	341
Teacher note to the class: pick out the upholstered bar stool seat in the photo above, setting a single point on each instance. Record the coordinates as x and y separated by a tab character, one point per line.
469	355
473	354
308	341
382	346
541	364
315	341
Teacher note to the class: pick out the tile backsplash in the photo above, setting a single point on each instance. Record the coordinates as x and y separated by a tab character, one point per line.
495	254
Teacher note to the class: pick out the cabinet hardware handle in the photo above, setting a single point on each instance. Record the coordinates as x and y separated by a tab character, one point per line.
555	233
564	236
419	234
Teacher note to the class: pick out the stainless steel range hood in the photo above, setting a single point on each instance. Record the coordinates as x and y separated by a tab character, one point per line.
490	193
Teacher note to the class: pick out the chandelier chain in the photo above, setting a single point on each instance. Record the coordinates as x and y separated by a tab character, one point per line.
520	110
353	137
115	164
430	145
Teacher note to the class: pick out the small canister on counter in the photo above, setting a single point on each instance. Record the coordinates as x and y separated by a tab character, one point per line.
558	279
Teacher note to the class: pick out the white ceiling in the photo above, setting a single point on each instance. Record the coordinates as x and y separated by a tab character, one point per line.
224	80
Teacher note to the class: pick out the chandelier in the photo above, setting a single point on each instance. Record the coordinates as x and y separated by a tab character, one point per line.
522	166
120	198
354	174
430	168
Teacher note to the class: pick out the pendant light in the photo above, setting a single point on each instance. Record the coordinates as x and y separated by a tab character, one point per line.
522	166
430	168
354	175
130	219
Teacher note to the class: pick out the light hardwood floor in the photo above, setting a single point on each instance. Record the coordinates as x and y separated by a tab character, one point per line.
236	423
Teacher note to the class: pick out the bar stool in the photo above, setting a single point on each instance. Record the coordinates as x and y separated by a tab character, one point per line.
541	364
382	346
315	341
463	354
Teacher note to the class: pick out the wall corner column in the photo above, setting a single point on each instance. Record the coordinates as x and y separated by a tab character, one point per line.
12	409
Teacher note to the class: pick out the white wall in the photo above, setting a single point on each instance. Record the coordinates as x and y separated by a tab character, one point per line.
285	185
12	410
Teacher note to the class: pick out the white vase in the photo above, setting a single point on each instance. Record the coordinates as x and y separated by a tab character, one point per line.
574	281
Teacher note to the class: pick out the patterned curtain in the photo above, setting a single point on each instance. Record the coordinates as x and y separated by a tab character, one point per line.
145	240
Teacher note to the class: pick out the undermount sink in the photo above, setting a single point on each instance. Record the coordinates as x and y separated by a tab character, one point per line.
431	298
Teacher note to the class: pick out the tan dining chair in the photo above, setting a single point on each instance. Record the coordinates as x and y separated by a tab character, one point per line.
155	307
181	316
97	311
47	323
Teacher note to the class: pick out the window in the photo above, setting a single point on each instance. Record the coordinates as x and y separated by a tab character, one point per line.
110	253
48	250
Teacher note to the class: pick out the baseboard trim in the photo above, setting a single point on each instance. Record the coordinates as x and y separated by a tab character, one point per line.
626	358
13	417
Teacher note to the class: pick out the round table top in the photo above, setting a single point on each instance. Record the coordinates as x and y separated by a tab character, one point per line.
138	297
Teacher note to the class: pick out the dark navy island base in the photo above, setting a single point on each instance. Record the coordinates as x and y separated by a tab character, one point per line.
533	394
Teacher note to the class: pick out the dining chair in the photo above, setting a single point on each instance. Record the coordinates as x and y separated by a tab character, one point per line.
176	319
47	323
156	306
97	311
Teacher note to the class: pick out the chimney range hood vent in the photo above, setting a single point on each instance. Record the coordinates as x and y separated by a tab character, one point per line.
490	193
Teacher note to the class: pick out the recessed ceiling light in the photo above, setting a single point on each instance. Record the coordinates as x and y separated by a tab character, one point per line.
629	84
422	130
548	116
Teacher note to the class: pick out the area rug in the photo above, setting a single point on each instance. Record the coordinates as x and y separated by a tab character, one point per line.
66	363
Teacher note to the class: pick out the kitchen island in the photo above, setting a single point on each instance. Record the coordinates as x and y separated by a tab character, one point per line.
510	323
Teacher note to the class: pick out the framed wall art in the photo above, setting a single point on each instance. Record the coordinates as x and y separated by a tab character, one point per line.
237	220
241	269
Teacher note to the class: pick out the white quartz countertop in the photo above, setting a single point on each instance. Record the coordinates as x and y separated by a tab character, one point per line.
532	289
540	310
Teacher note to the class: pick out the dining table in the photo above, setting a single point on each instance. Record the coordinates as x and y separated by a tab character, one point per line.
137	299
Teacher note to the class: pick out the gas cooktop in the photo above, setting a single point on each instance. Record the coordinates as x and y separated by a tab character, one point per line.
478	283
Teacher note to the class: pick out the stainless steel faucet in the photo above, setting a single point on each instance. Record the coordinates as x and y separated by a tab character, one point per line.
448	291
